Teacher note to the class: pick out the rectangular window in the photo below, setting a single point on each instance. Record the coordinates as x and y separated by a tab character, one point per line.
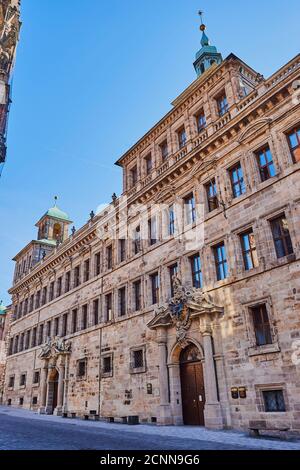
81	368
137	295
190	209
16	345
107	365
133	176
56	326
237	180
37	299
11	382
34	400
152	230
212	195
109	257
21	347
51	292
138	359
148	164
173	271
196	271
84	320
97	264
11	346
96	311
36	377
26	305
108	307
122	250
249	250
265	164
74	321
65	325
181	138
171	220
77	276
23	380
44	296
281	236
122	301
27	339
59	287
41	335
137	240
155	288
48	329
274	401
221	262
33	338
68	282
86	270
294	143
164	150
201	121
261	323
31	303
222	104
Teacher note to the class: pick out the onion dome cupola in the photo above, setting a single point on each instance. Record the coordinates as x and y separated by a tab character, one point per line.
208	55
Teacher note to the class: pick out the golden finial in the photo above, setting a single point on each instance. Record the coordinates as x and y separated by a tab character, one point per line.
202	27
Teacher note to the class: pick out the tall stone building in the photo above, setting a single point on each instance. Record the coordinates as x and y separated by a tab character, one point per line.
9	36
5	317
179	303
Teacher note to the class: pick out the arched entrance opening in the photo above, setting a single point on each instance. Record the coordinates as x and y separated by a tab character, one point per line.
192	386
52	391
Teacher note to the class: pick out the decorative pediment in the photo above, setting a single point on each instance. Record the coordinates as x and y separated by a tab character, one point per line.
254	128
55	347
185	305
164	194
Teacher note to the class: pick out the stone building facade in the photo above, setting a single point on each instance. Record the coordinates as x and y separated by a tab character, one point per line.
5	318
180	302
9	36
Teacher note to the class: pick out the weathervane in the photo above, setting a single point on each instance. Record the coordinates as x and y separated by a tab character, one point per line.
55	200
202	27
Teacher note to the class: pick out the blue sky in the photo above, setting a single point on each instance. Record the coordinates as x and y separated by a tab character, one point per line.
93	76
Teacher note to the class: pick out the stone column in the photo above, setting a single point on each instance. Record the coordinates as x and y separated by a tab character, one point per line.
212	410
164	408
60	394
66	382
44	383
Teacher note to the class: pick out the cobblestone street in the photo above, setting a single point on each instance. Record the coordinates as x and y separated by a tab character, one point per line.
24	430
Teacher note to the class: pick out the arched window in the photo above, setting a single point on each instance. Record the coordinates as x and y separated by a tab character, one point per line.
57	231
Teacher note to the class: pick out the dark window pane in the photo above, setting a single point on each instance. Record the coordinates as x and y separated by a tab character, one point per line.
274	401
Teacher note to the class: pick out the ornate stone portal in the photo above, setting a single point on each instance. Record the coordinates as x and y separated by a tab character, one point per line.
54	378
183	308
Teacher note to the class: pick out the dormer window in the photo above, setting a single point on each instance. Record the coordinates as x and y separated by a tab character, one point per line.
181	138
201	121
222	104
164	150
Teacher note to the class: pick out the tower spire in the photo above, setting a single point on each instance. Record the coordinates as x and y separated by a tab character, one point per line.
207	55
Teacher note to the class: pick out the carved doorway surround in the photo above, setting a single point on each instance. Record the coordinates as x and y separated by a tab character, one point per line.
55	355
187	306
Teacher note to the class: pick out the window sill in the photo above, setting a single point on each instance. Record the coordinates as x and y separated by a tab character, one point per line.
106	375
260	350
140	370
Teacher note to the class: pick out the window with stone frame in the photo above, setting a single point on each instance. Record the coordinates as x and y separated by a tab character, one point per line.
16	344
74	320
122	250
96	305
59	287
34	337
265	163
137	240
31	303
67	282
27	339
138	360
294	143
237	180
109	257
155	285
11	346
222	104
21	401
122	301
220	255
173	271
11	382
37	299
81	369
84	318
86	270
108	307
182	140
34	400
56	327
171	220
201	121
64	331
152	230
249	250
48	329
164	150
26	306
261	325
196	269
97	261
44	295
212	195
133	176
21	345
36	377
107	365
148	164
51	291
23	380
281	236
41	335
190	209
137	295
274	401
77	276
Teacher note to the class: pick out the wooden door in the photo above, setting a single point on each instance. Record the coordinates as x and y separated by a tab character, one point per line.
193	393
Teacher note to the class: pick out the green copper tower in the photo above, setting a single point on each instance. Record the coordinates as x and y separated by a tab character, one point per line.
207	55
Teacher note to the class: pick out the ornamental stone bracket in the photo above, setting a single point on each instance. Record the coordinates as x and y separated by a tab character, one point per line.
185	305
54	348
